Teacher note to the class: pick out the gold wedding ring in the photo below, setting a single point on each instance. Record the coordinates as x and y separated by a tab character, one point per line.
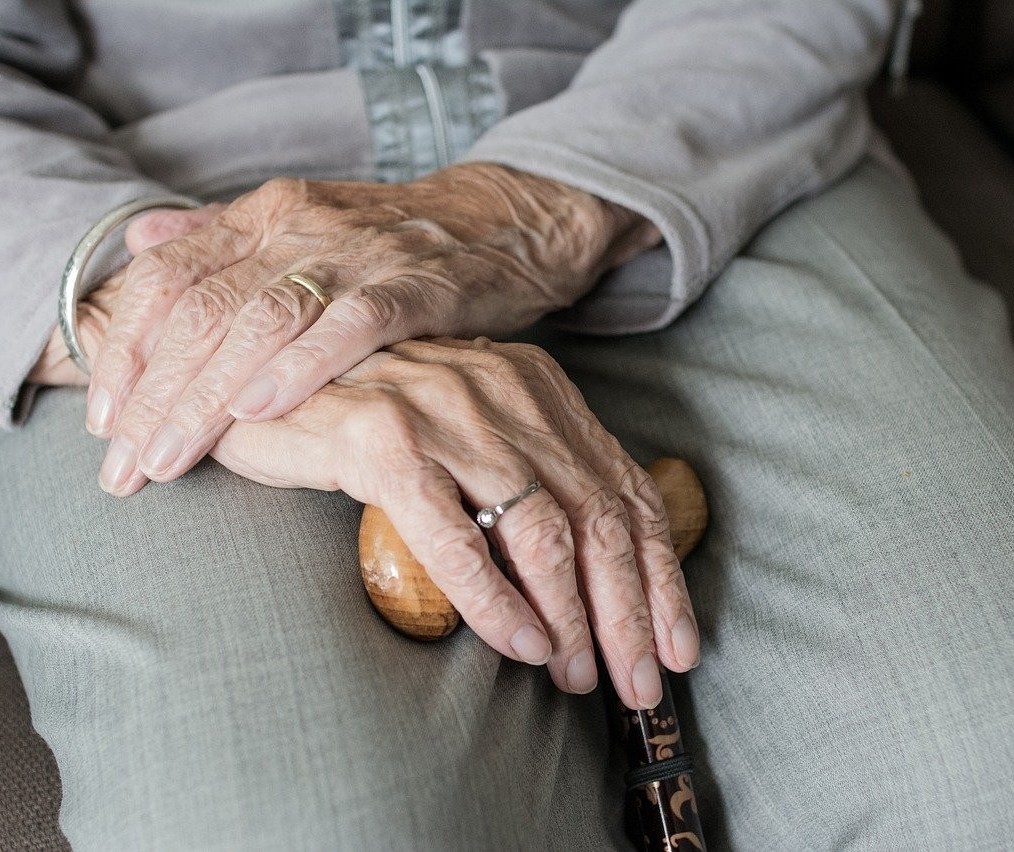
312	286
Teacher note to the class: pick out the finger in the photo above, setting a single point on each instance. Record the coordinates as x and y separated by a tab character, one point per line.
535	539
598	542
574	560
426	511
677	637
356	324
153	283
611	586
159	226
273	316
195	328
608	574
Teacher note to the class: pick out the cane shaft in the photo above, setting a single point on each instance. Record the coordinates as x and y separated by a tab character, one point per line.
661	814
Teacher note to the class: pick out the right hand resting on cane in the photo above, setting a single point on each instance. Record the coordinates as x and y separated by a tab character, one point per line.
416	427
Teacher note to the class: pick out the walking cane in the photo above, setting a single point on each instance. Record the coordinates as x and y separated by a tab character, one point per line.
661	810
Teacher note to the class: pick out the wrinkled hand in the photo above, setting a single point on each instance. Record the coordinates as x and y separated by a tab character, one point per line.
206	329
95	310
94	313
414	428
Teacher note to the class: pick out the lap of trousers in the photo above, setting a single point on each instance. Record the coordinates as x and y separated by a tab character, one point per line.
208	673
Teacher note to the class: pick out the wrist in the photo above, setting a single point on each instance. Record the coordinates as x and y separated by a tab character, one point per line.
589	234
629	234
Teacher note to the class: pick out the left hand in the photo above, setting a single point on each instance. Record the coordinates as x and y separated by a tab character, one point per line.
94	313
415	428
207	329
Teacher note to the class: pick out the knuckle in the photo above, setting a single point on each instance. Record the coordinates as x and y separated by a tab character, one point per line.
200	312
151	263
535	359
632	627
644	502
607	522
495	602
366	310
281	192
159	270
398	428
548	547
460	556
204	401
118	358
272	311
499	368
386	429
666	587
573	629
540	369
306	357
440	381
143	411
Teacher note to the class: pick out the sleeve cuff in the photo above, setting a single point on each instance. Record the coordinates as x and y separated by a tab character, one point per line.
16	393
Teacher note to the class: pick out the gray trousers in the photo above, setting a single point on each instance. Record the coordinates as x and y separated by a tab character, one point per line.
209	675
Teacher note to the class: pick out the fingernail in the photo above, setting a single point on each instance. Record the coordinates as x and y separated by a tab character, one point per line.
163	449
647	682
686	642
532	645
100	413
118	464
582	675
254	397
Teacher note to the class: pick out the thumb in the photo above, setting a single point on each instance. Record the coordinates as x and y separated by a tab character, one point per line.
161	225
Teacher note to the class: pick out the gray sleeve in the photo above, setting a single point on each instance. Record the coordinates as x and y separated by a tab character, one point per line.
58	175
707	117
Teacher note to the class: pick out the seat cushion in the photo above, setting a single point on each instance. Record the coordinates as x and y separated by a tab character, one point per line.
29	781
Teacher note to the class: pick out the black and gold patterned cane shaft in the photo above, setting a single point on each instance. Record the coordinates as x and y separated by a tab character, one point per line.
661	812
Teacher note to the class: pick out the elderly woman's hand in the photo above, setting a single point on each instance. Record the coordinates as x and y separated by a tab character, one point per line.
417	427
95	311
207	329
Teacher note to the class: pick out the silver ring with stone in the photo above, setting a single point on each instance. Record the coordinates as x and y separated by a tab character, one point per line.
486	518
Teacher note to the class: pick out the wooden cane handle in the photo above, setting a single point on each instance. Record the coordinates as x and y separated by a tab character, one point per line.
409	601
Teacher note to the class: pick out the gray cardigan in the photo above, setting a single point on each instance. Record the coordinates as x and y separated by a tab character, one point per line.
707	116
